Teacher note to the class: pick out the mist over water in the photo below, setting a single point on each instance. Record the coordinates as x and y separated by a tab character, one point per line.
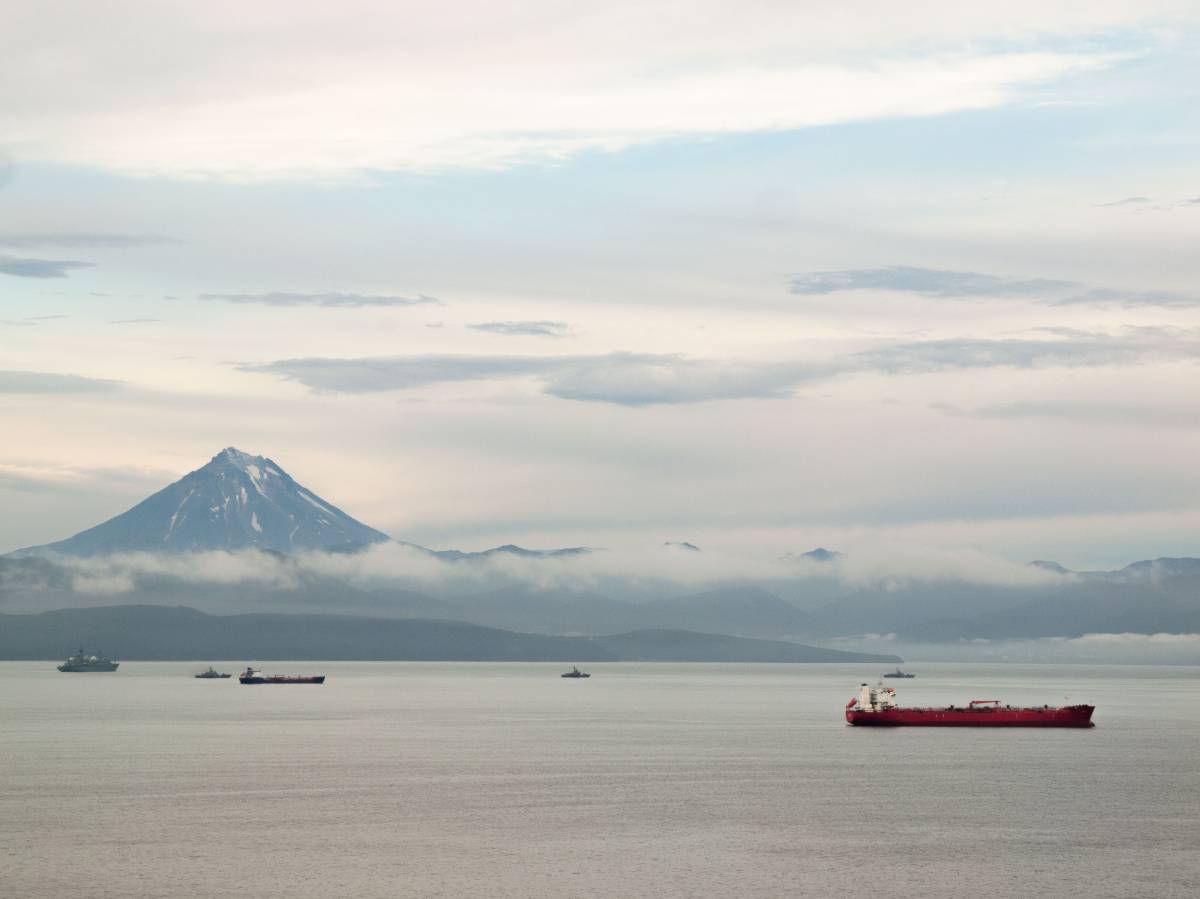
408	779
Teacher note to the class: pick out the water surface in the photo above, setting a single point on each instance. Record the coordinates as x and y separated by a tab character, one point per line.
503	780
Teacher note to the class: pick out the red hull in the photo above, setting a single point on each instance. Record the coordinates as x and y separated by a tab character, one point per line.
979	716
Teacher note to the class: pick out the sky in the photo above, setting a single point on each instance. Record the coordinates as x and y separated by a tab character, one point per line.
759	276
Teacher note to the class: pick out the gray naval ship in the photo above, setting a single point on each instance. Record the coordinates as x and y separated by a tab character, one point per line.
81	662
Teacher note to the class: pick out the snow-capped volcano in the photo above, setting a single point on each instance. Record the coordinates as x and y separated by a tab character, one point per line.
236	501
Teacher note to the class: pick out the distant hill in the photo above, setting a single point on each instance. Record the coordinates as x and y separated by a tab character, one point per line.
509	549
166	633
549	610
747	611
1048	566
821	554
1146	597
744	610
236	501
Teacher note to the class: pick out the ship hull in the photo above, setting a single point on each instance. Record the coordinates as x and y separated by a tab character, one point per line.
1068	716
280	679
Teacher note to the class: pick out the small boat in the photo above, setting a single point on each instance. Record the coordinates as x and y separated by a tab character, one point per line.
81	662
211	674
575	672
254	676
877	707
899	673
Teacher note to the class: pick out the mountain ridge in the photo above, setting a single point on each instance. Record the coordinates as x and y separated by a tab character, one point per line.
238	501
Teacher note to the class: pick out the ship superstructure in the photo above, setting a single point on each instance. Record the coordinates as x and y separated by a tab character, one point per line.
83	662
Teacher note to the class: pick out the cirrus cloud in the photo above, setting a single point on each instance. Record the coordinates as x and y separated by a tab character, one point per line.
77	239
39	268
53	382
945	284
330	299
523	328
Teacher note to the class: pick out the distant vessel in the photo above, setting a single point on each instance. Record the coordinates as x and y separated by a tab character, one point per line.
575	672
899	673
254	676
211	674
876	707
81	662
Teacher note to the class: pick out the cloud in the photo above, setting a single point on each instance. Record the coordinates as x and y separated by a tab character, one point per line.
372	375
523	328
636	572
535	85
1102	296
890	563
628	379
925	281
38	476
12	478
1138	415
1128	201
103	585
945	284
1074	349
30	321
1128	639
124	572
134	321
87	240
50	382
640	379
334	300
1120	648
39	268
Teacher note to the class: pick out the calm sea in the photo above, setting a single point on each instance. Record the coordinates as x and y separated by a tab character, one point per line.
484	780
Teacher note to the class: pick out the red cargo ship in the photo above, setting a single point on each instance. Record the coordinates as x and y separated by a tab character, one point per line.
876	707
254	676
